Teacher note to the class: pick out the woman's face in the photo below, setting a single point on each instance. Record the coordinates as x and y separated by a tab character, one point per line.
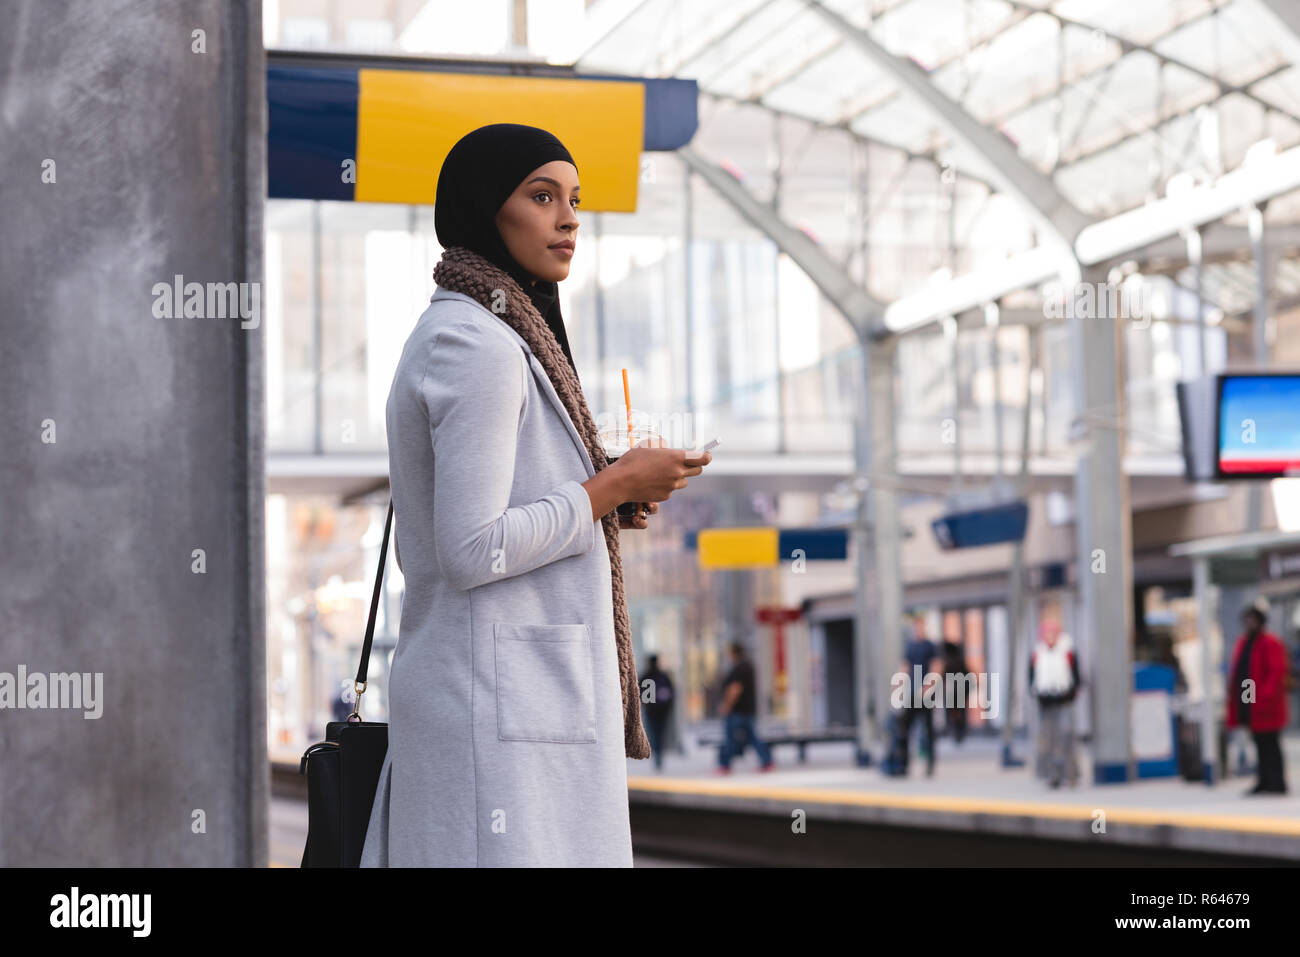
538	216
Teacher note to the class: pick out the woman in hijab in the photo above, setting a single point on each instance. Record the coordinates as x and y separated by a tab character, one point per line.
513	702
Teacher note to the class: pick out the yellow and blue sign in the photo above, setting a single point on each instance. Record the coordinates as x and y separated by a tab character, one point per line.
764	547
380	135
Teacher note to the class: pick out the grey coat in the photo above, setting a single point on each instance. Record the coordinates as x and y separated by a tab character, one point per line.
505	739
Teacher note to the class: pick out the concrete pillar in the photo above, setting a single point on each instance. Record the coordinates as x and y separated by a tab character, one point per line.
878	630
1103	529
134	153
735	588
1209	720
1265	259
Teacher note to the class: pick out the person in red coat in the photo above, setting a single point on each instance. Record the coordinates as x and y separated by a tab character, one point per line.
1256	697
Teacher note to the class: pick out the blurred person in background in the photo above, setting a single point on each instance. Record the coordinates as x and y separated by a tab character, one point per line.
918	652
1054	679
1163	654
739	706
1257	677
658	710
954	714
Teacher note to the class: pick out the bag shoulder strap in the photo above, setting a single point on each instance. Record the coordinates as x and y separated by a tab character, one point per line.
374	602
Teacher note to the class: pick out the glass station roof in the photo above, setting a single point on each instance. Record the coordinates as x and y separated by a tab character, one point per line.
1114	102
1110	97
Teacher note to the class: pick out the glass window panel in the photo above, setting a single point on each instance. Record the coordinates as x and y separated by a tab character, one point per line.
819	187
735	341
1242	123
1152	370
451	26
1138	22
909	28
1058	366
899	123
321	560
1120	178
372	296
639	301
818	356
1011	65
1233	44
925	394
738	137
1283	91
983	380
1121	101
724	60
654	37
783	47
829	88
1105	183
404	26
290	329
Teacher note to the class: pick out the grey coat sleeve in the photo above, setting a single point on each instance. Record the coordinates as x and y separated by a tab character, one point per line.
473	389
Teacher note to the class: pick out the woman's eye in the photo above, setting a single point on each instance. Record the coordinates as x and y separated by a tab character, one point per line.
547	196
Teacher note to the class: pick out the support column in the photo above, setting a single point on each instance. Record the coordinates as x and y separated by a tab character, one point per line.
1265	260
1103	529
135	143
878	631
688	281
1016	584
1209	729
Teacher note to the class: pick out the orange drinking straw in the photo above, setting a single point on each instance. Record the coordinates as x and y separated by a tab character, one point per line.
627	398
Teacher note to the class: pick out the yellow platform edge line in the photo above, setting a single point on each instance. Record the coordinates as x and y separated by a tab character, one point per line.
1000	806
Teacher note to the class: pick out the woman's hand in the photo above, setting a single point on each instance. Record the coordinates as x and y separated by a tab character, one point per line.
638	520
651	473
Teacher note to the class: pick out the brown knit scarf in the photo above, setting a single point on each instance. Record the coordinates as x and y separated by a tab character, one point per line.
465	271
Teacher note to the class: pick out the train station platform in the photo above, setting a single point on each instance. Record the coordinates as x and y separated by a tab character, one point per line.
971	812
971	795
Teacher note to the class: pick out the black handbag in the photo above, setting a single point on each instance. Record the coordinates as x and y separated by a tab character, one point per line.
343	770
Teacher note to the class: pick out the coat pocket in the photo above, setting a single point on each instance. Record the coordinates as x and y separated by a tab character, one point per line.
545	686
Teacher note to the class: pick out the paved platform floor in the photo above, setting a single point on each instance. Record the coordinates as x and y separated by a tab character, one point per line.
289	834
969	790
972	769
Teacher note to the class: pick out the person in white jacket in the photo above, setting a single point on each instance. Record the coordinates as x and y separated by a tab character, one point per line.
1054	680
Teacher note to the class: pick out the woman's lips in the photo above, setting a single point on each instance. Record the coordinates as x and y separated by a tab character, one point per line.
565	251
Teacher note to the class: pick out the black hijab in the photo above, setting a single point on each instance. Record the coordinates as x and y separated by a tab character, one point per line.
480	172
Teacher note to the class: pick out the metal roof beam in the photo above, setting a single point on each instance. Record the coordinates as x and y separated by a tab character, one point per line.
1122	236
1163	218
1128	46
1220	243
603	20
861	310
1153	130
928	157
1285	16
1005	167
